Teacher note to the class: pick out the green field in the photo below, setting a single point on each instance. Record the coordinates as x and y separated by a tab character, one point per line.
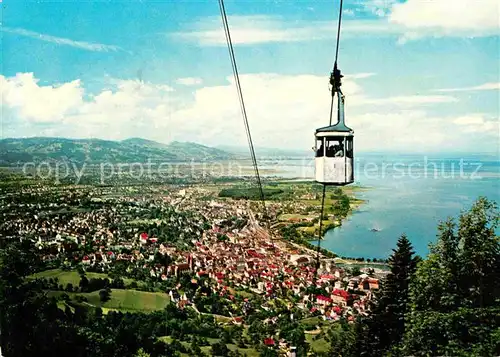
66	277
317	344
287	216
131	300
314	322
72	276
123	300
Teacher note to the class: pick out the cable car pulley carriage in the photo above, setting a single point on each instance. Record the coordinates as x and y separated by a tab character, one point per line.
334	144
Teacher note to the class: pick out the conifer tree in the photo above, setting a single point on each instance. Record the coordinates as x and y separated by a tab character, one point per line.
480	254
436	284
385	327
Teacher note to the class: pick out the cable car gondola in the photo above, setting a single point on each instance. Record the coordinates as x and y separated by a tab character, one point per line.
334	161
334	144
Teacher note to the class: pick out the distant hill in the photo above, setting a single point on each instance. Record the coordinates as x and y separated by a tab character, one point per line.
36	149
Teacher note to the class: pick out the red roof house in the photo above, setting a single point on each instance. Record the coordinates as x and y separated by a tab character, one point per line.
269	342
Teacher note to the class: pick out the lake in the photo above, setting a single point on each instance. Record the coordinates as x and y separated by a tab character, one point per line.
407	194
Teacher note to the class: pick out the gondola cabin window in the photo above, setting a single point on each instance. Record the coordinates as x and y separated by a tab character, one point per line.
332	147
335	147
349	148
320	147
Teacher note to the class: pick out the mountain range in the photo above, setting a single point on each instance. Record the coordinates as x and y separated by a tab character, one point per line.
36	149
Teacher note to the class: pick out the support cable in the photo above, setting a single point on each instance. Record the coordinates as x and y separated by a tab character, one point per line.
338	33
243	108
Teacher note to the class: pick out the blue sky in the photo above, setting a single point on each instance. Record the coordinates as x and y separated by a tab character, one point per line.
420	75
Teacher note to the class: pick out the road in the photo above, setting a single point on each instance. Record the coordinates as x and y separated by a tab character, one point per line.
253	225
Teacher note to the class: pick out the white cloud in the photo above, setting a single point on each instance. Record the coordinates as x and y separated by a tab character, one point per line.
439	17
124	106
447	17
245	30
97	47
283	111
258	29
418	131
189	81
40	103
482	87
410	20
404	130
478	123
125	109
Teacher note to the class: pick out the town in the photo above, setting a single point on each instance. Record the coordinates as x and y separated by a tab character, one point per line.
193	246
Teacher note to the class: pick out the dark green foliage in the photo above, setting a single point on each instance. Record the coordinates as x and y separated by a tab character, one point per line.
219	349
105	295
355	271
344	339
455	295
385	327
337	192
464	332
479	255
268	352
342	206
84	283
222	237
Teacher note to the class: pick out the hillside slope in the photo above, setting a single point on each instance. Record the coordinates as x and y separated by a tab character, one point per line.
36	149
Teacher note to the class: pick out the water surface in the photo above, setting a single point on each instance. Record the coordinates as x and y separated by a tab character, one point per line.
408	194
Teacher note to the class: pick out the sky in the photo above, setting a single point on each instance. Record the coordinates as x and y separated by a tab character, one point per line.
420	76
